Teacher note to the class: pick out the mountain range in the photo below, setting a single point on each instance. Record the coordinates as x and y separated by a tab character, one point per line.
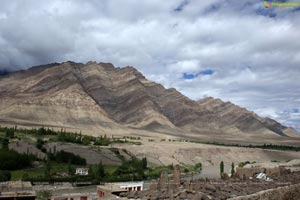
99	98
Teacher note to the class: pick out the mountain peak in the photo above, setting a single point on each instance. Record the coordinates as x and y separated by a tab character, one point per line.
99	96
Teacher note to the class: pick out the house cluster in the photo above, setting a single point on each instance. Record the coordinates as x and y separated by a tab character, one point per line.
20	190
260	172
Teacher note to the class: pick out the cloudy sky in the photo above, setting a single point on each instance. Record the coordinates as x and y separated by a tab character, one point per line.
238	51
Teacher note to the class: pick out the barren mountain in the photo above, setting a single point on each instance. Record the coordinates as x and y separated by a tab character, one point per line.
99	97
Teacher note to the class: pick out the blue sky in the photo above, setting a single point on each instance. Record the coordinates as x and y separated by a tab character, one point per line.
253	52
206	72
296	110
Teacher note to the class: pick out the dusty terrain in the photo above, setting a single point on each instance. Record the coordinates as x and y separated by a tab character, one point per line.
186	153
26	148
93	155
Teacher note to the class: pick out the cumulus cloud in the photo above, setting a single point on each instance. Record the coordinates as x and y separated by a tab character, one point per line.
253	51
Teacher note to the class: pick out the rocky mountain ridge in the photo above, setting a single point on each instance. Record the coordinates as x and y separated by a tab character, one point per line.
98	96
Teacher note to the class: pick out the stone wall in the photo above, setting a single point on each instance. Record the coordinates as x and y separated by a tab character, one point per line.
281	193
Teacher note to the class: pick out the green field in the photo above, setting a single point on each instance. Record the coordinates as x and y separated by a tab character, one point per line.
55	168
39	172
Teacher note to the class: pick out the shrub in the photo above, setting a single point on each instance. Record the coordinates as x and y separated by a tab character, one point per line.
67	157
5	176
11	160
198	166
9	132
4	143
133	167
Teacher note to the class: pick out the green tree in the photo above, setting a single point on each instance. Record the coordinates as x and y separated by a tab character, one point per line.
10	133
48	168
144	163
85	141
12	160
66	157
4	143
100	172
39	143
221	168
232	169
71	169
171	167
5	176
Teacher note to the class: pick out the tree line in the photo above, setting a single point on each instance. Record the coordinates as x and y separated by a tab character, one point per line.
66	157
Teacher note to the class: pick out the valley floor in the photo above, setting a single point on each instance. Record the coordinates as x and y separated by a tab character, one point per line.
165	152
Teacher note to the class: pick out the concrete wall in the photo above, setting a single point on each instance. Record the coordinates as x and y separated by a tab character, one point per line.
281	193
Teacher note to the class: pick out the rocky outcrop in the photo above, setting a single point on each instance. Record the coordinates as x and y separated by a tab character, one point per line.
98	96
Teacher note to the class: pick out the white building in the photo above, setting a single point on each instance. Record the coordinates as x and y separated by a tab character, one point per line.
131	186
113	190
82	171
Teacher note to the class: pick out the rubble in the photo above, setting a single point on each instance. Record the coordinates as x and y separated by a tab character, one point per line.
216	189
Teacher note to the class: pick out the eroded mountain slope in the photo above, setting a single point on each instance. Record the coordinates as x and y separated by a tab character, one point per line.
98	96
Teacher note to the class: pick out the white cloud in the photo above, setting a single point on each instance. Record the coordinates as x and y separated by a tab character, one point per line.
191	66
3	16
255	57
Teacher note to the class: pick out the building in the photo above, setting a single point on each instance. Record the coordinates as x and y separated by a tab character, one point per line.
111	190
13	186
16	190
82	171
131	186
28	195
73	196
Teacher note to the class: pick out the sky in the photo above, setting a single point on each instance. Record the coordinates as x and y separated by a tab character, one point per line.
239	51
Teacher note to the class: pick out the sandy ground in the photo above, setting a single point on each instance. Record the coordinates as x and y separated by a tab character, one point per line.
26	148
186	153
